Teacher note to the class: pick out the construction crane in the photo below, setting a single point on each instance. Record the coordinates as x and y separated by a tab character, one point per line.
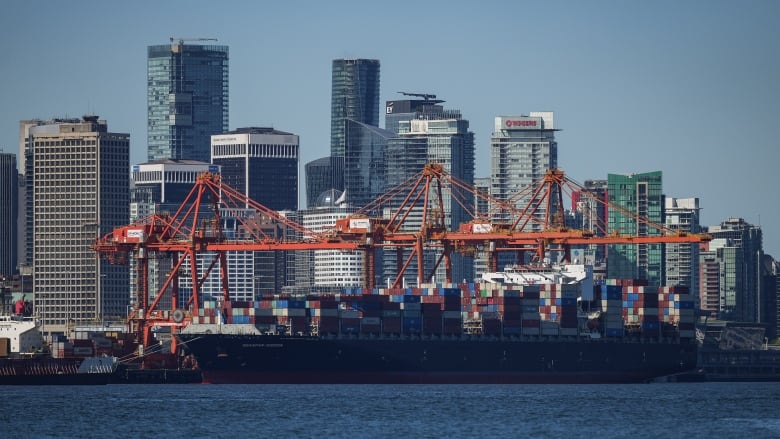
425	96
181	40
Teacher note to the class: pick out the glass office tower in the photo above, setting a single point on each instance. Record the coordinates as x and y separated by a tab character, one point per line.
638	196
187	99
354	95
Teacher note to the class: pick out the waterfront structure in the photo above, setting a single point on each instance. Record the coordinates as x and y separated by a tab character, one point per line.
364	162
354	95
80	191
160	187
740	251
187	99
682	260
522	149
635	196
323	175
9	212
261	163
449	143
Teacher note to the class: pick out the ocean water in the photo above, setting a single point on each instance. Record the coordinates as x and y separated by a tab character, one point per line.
695	410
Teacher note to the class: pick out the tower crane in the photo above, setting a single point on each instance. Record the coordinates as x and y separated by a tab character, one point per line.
426	96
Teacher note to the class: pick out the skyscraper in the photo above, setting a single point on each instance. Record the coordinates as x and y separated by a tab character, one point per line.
261	163
80	191
591	207
9	211
407	109
364	162
449	143
187	99
522	149
636	196
740	253
323	175
682	260
354	95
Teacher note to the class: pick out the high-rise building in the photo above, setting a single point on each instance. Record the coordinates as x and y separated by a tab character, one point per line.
740	258
187	99
635	196
682	260
449	143
322	176
769	297
591	206
401	110
261	163
80	191
709	280
522	149
364	162
25	166
9	212
354	95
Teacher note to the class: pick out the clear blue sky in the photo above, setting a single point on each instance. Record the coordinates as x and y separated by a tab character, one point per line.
691	88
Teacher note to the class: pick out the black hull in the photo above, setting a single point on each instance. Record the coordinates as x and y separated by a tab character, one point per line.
78	379
45	371
285	359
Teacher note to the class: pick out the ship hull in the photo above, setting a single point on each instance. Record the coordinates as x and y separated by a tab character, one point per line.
46	372
226	358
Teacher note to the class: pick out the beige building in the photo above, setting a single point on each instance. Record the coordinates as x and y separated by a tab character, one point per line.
79	190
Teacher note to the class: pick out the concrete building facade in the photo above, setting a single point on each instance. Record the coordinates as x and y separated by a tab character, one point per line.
80	190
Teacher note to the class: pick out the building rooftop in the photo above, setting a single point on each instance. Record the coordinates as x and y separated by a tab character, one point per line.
258	130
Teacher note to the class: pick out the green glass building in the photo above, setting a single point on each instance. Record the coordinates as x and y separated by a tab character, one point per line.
635	196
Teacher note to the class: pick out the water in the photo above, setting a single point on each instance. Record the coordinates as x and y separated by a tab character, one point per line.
398	411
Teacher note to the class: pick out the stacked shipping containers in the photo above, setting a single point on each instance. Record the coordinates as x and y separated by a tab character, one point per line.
442	310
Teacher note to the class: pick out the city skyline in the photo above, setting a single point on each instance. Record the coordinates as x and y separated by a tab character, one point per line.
634	89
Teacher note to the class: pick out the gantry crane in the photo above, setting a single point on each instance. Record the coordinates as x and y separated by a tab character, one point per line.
195	230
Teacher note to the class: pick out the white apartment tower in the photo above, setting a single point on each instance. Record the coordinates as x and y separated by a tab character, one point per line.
522	149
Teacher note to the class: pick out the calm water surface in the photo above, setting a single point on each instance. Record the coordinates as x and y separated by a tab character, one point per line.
726	410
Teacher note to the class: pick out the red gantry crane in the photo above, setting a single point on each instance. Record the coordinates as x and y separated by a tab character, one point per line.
413	221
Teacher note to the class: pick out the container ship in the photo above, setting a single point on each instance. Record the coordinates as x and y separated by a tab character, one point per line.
547	324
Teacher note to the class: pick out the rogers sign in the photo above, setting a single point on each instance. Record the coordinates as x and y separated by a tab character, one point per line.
520	123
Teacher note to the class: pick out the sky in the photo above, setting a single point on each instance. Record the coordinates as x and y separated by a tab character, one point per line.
690	88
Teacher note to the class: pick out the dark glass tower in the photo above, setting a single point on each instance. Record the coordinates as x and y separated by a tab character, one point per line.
9	210
262	163
323	174
364	162
187	99
354	95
